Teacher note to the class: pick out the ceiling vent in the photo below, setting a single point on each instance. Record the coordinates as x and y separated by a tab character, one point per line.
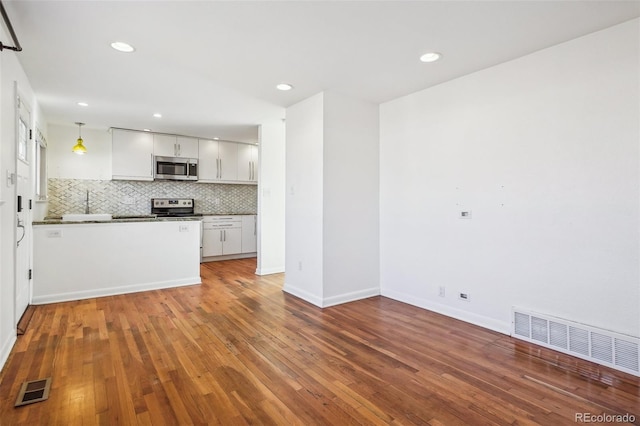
603	347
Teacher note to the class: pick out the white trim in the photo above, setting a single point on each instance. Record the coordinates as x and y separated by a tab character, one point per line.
350	297
227	257
303	294
112	291
466	316
268	271
6	349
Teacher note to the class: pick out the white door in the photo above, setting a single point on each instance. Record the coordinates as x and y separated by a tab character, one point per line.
24	148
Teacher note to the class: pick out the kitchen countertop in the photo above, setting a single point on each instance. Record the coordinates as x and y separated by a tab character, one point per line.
57	220
116	219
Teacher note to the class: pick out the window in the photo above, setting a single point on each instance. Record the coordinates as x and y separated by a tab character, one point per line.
41	166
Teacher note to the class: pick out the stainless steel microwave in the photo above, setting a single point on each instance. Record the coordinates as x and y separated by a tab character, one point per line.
175	168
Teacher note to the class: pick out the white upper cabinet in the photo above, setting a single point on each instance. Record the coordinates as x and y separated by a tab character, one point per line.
175	146
228	156
247	163
187	147
164	145
132	155
218	161
208	161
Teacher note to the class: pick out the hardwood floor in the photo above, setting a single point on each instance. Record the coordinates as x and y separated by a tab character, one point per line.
237	350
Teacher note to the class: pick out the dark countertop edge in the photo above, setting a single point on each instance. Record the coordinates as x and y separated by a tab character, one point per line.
228	214
93	222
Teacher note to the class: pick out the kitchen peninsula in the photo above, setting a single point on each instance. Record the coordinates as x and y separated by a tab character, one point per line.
79	260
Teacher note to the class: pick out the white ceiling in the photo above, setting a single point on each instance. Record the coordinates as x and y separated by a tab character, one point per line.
210	67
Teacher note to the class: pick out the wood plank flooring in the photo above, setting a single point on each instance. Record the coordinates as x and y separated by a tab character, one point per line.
237	350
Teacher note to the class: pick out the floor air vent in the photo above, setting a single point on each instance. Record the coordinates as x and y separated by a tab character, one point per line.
600	346
33	391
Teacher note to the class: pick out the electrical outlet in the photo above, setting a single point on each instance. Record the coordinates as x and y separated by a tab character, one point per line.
441	291
183	228
465	214
54	233
464	296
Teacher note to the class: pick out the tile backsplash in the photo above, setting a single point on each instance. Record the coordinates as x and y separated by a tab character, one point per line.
134	198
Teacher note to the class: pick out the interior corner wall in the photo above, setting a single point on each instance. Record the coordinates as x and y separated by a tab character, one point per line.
303	200
271	198
351	246
544	153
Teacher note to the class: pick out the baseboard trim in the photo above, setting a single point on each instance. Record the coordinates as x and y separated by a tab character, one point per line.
113	291
303	294
6	349
462	315
227	257
350	297
333	300
269	271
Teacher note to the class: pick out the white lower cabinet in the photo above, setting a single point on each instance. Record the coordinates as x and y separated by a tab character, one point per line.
221	235
249	233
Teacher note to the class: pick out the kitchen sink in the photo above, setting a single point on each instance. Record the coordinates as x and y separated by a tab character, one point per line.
92	217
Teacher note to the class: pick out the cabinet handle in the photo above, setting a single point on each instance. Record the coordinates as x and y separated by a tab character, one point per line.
221	235
152	166
220	168
225	235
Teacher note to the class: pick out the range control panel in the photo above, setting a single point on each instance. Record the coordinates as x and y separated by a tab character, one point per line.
172	202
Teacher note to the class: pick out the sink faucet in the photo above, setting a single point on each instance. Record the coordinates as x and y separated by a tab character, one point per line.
86	209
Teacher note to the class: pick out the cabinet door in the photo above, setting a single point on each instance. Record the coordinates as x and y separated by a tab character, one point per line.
211	242
231	241
187	147
247	163
132	155
254	166
208	160
228	160
165	145
245	160
249	234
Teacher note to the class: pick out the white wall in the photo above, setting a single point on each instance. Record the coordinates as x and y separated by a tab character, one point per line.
332	241
351	203
271	198
11	73
94	165
303	210
544	151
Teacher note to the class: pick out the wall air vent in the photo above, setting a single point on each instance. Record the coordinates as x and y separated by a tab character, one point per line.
603	347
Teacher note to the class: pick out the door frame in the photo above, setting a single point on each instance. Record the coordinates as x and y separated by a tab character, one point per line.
23	112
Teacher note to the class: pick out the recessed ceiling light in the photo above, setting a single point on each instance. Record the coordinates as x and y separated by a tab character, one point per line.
157	115
430	57
122	46
146	130
83	104
215	139
284	86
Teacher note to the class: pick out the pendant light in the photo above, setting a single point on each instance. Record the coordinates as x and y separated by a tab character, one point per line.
79	147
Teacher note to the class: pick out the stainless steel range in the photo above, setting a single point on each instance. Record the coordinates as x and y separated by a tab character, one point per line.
173	207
